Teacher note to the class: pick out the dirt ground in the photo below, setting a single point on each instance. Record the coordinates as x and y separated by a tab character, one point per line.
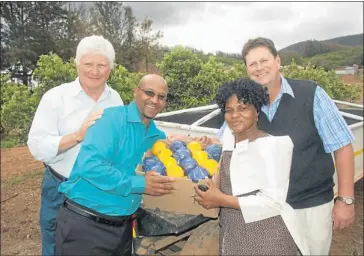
21	178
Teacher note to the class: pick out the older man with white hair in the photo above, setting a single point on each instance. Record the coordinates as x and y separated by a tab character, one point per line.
60	123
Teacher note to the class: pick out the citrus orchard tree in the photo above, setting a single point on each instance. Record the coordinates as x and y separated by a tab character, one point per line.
18	106
193	82
179	67
329	81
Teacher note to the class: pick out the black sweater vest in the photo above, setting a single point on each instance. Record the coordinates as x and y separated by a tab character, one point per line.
311	178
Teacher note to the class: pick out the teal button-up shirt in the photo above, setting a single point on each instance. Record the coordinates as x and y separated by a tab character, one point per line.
103	177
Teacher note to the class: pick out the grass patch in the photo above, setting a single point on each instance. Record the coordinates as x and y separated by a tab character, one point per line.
24	177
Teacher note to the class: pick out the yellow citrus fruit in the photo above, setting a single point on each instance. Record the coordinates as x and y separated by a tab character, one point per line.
167	161
174	170
210	165
200	156
158	146
165	153
194	146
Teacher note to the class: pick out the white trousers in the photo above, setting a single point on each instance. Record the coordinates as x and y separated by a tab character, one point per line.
317	226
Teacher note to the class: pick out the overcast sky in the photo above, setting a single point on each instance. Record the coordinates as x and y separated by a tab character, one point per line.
220	26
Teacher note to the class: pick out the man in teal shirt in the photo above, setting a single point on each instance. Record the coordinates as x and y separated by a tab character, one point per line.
103	190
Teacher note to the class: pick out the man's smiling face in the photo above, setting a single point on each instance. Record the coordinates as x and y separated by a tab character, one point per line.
150	97
262	66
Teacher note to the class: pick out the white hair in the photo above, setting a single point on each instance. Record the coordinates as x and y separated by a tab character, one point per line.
95	44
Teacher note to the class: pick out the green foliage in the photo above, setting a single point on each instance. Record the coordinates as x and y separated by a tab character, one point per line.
148	42
329	81
192	81
288	56
345	57
51	71
206	83
17	110
179	67
313	47
29	29
124	82
237	71
10	141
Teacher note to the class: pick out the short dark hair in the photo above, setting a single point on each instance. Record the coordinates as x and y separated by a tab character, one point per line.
258	42
247	91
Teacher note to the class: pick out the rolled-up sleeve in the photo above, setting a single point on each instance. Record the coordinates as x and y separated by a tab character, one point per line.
43	138
94	162
330	124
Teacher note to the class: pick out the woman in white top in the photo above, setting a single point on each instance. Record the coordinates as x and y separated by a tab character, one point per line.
251	186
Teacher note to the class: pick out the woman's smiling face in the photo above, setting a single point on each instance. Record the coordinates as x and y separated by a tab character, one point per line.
240	117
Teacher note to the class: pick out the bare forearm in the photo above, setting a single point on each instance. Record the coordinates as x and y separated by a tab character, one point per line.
228	201
68	141
216	180
344	160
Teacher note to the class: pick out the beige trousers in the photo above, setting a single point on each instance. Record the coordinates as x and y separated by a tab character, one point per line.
317	225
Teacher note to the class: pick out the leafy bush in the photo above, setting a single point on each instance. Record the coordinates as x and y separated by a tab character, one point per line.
193	82
10	142
17	110
51	71
124	82
329	81
179	67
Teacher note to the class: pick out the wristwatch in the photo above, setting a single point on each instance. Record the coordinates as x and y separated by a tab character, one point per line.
346	199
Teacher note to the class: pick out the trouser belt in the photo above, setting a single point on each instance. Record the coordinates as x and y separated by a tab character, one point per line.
92	216
54	173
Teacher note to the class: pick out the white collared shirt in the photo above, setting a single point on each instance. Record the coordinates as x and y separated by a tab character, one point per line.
61	111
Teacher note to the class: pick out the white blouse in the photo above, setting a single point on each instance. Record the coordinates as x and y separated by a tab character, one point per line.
264	165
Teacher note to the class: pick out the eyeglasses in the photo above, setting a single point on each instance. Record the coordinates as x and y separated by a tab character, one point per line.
151	94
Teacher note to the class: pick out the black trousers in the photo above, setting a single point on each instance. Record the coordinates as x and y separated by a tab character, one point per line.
78	235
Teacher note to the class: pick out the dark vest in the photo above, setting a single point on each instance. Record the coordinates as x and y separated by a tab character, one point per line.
311	180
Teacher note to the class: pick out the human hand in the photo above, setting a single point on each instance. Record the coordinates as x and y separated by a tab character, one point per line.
158	185
170	139
203	140
211	198
80	134
343	215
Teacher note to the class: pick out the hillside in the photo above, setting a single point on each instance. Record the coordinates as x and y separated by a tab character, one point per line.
228	59
344	57
339	51
331	44
353	40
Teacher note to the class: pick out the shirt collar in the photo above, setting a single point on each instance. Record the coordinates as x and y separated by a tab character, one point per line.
134	117
76	89
285	87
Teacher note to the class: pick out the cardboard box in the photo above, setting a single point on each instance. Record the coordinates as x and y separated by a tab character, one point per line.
181	200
